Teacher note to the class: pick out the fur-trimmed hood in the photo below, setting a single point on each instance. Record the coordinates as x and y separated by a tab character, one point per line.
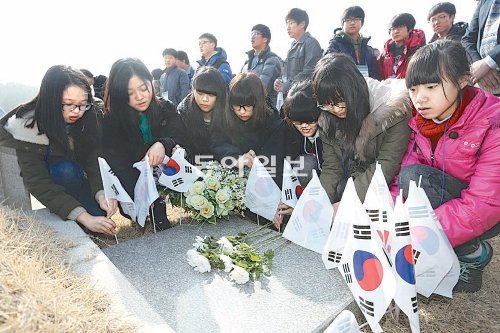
17	128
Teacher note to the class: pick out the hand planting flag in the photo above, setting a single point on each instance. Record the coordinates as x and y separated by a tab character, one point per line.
365	267
431	255
113	189
177	173
291	189
145	192
311	219
403	265
262	195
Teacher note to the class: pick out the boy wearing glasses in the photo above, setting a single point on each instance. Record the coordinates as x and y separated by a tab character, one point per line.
441	18
350	41
214	56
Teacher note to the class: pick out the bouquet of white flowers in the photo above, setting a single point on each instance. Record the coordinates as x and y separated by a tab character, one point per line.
232	254
221	191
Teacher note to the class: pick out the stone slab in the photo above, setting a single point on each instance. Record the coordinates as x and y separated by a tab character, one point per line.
299	296
12	190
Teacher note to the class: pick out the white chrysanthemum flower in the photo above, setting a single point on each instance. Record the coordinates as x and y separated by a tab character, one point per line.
192	256
228	262
222	195
239	275
202	264
207	211
212	183
200	244
227	246
197	188
198	201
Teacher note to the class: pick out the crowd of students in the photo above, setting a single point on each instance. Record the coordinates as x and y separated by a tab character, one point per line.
337	118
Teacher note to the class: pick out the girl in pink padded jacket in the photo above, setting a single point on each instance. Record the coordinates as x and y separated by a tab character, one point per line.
455	146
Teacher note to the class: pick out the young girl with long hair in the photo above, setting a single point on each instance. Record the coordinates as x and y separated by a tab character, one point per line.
137	124
199	109
57	144
455	148
364	121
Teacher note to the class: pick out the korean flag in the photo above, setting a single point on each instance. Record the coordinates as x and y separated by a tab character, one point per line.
291	189
145	192
178	174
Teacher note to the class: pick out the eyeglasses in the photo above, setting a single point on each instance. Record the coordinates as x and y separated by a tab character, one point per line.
78	108
352	20
330	107
255	34
439	18
244	107
300	123
203	42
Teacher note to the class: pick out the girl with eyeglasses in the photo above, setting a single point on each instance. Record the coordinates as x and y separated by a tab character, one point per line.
250	127
198	110
301	114
57	144
137	124
364	121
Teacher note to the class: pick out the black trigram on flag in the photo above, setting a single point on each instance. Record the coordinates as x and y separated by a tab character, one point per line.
347	273
111	172
418	212
362	231
288	194
113	187
314	191
334	256
188	169
414	304
416	254
384	216
293	178
372	214
402	229
366	306
177	182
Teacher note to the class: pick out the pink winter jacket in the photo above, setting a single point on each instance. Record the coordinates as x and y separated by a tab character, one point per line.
474	158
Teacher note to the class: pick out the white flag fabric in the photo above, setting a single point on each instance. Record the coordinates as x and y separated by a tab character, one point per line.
403	265
345	322
113	189
262	195
145	192
431	255
341	231
291	189
365	268
177	173
445	287
380	207
311	219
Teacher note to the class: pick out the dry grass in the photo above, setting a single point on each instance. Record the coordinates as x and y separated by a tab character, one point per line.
38	291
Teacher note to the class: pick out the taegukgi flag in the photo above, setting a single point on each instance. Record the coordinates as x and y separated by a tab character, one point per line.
365	267
113	189
345	322
311	219
177	173
262	195
145	192
291	189
403	265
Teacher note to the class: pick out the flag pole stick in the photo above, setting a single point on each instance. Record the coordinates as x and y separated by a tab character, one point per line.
180	212
107	202
153	219
419	180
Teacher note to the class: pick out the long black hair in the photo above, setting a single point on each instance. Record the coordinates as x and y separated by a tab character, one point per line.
336	79
299	104
116	98
47	106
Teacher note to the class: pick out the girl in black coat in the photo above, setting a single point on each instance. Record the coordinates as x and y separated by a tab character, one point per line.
136	122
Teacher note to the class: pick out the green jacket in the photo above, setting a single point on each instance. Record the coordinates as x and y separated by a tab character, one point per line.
31	150
383	137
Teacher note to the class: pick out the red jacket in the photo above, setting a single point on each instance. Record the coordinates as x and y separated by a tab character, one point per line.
474	158
386	59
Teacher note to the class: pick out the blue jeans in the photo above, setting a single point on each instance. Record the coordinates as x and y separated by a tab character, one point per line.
70	175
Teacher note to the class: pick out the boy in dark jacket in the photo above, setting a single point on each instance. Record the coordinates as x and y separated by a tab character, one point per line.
441	18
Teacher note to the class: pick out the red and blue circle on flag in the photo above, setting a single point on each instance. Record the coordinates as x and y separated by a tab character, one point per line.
367	270
405	266
171	168
426	238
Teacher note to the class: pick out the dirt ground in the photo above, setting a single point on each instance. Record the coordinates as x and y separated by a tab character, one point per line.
465	313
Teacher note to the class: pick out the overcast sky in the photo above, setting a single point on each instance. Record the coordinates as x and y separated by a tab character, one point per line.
93	34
